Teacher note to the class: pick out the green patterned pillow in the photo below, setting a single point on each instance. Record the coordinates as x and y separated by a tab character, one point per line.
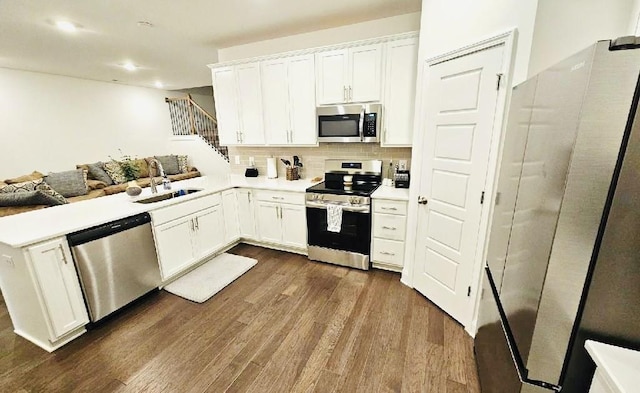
31	186
182	164
114	170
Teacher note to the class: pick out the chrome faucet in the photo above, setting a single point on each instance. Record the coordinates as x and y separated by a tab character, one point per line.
166	183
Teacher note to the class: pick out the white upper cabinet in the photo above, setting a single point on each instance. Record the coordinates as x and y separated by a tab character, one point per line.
365	71
332	80
302	100
400	89
226	100
349	75
288	96
250	98
238	100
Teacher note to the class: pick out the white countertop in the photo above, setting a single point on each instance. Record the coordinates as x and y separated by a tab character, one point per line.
621	366
386	192
35	226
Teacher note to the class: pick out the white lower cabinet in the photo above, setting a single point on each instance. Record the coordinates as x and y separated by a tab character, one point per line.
58	287
282	223
186	240
388	234
230	210
246	214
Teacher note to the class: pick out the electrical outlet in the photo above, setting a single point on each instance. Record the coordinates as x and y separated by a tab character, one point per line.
237	160
8	260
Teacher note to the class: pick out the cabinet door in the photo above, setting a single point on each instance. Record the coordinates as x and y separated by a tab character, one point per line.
275	101
230	206
246	215
269	229
175	246
209	231
59	288
250	103
331	79
294	225
400	91
226	101
365	73
302	100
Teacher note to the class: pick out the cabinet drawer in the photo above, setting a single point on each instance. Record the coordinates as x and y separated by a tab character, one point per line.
295	198
390	207
388	226
182	209
388	251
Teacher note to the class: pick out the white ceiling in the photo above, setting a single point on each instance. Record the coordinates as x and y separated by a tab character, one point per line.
184	39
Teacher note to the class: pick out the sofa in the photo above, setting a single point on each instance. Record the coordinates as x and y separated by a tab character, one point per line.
38	191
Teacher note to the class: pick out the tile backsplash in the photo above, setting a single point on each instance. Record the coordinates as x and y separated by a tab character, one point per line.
313	157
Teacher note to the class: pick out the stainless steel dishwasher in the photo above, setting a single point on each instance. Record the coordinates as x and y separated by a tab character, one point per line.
117	263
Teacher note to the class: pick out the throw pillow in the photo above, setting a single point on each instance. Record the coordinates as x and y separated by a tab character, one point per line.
114	171
69	183
29	198
21	179
97	172
169	164
33	185
143	167
182	164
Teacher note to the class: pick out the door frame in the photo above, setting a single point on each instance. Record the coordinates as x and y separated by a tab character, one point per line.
508	39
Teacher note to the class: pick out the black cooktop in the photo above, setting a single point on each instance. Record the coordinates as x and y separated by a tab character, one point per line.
359	189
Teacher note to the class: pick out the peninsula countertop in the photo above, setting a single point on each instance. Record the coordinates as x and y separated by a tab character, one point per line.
39	225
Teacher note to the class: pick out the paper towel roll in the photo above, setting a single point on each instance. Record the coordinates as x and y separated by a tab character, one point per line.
272	169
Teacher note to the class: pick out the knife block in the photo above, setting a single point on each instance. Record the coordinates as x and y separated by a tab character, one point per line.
292	173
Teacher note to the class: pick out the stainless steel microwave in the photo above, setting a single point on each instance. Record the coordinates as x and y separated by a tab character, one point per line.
349	123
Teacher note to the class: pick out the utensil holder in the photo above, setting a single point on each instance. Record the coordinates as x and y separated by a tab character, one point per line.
292	173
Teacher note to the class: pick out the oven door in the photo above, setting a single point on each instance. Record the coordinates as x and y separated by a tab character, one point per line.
341	123
354	235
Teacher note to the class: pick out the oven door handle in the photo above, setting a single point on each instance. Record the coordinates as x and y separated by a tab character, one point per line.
354	209
361	124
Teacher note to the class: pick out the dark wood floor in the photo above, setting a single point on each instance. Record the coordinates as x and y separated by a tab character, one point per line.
288	325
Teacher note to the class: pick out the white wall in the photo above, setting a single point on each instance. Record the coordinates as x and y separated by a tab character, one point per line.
201	155
565	27
50	123
358	31
450	24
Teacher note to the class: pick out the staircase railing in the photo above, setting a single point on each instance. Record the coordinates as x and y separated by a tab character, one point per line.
188	118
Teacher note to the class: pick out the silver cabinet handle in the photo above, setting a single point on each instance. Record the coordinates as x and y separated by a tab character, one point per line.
350	94
388	208
278	198
387	253
64	257
193	226
344	94
197	224
386	227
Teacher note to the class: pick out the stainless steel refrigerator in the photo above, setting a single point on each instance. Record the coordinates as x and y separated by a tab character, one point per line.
564	251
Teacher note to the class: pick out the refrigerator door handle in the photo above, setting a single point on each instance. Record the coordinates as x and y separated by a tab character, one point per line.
511	341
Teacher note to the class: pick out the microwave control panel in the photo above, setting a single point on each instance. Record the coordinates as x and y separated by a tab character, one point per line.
370	124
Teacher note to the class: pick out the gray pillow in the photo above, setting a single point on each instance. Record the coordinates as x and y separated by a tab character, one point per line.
169	164
97	172
28	198
68	183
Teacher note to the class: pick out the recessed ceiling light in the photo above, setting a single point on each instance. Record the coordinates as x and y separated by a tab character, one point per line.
129	66
144	23
159	84
66	26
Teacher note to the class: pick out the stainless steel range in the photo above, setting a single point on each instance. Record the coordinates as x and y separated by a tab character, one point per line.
339	212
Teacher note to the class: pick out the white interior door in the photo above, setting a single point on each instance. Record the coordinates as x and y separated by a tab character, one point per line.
460	97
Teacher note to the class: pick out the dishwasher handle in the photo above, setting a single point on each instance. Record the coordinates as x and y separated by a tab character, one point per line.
104	230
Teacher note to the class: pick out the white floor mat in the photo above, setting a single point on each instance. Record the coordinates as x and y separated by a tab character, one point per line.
208	279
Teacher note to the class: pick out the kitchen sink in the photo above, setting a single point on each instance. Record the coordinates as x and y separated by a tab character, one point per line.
170	195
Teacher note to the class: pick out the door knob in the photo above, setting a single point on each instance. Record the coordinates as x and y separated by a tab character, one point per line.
422	200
